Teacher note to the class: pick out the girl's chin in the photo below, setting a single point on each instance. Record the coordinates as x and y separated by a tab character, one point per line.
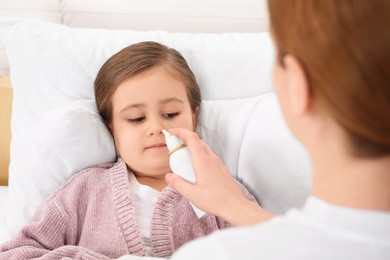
158	171
151	167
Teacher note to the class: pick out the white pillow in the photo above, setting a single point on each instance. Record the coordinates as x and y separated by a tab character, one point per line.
222	124
70	138
272	164
53	65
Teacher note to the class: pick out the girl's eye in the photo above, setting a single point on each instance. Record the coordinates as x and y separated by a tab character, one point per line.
136	120
170	115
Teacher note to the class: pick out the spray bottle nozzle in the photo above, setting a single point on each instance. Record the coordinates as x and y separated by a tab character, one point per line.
172	141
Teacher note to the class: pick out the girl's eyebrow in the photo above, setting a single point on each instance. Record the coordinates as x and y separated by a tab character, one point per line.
129	106
163	101
171	99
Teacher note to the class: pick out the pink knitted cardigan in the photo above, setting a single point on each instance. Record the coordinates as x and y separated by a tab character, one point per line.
92	217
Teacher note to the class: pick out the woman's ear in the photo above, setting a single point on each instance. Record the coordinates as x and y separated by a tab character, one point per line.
298	92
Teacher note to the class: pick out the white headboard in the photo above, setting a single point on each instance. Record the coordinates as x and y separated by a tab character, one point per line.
206	16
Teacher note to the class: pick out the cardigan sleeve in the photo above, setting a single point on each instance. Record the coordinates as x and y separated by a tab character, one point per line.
45	236
245	191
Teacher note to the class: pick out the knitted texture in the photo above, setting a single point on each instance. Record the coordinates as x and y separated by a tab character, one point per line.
92	217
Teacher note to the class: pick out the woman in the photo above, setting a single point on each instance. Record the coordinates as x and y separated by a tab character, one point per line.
332	79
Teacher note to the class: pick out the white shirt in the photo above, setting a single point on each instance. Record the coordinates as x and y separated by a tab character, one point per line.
317	231
144	198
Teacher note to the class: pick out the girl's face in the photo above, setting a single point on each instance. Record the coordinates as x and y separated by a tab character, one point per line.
142	106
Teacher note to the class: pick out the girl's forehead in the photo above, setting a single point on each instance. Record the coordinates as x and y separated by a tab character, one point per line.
151	85
153	88
167	69
158	74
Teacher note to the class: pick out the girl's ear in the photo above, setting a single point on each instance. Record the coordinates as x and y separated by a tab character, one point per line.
298	92
110	128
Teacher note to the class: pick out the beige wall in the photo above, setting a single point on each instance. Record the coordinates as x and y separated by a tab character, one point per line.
5	130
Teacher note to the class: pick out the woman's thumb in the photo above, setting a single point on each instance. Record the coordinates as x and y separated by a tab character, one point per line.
180	185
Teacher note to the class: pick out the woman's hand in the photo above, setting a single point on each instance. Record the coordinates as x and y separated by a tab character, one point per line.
215	190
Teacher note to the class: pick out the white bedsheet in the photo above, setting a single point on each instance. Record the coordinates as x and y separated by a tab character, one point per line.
3	209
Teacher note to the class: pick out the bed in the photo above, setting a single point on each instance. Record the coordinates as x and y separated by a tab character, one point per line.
50	52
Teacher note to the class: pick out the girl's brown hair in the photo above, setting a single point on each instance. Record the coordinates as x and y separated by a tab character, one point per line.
343	46
135	59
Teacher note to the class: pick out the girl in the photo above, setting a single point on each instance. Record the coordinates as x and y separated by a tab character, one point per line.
126	207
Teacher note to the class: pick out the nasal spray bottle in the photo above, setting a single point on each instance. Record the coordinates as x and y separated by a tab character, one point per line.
180	162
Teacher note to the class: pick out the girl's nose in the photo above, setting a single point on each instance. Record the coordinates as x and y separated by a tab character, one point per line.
155	127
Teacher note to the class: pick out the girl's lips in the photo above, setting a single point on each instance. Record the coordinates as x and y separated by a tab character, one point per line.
159	145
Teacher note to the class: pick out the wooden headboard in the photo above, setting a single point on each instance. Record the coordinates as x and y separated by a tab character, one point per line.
5	129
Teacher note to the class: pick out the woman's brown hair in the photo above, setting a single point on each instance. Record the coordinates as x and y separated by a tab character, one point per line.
343	46
135	59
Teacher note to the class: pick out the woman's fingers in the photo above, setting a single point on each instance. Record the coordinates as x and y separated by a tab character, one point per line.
182	186
215	191
214	183
197	147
